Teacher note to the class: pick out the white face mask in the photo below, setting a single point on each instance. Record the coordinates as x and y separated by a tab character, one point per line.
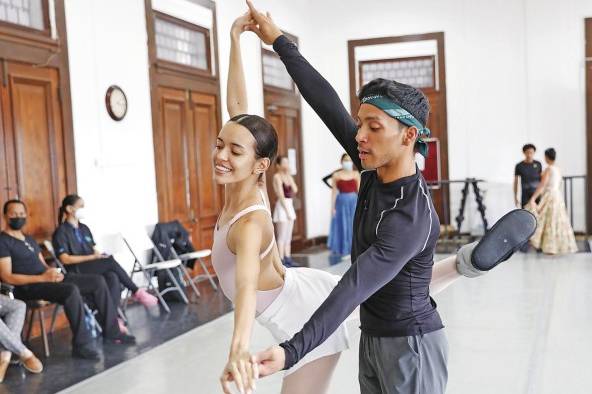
80	213
348	165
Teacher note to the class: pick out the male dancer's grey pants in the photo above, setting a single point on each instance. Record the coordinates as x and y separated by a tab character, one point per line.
404	365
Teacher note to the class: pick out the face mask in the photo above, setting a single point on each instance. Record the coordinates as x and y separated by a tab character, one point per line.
79	214
16	223
347	165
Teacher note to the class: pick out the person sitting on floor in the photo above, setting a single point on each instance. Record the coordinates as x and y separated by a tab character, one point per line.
12	318
22	265
74	245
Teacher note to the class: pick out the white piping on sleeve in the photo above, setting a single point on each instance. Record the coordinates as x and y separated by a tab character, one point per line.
390	209
430	209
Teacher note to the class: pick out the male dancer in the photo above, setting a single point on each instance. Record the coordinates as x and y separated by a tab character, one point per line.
528	174
403	348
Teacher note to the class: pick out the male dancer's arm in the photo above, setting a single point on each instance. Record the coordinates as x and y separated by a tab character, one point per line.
374	268
315	89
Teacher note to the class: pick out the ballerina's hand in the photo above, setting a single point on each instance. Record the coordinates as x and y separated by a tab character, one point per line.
241	24
240	370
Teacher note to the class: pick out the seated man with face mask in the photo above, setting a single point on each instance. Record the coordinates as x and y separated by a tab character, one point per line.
22	265
74	245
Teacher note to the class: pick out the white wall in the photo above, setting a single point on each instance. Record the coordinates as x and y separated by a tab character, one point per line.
114	160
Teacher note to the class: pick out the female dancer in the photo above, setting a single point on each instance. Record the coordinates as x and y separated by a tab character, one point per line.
284	214
245	255
554	234
344	197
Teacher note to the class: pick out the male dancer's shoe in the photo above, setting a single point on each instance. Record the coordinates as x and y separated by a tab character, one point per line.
505	238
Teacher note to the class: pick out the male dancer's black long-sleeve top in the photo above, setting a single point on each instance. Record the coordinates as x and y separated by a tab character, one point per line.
395	232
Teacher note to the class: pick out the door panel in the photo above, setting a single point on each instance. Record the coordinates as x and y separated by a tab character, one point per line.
174	192
436	125
292	138
4	184
36	170
209	196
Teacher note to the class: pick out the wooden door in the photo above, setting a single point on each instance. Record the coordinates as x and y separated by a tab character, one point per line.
286	122
437	125
33	161
184	140
408	71
588	49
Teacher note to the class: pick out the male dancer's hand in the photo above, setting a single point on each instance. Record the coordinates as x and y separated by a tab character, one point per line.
270	361
266	29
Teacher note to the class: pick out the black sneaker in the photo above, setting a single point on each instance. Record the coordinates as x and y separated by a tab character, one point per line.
87	352
123	339
506	237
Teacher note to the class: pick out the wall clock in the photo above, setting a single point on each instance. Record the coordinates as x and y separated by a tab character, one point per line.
116	102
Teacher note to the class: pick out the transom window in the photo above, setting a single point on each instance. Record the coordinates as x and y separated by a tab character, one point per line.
274	72
182	43
27	13
418	71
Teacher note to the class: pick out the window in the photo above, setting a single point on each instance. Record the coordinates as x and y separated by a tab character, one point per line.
27	13
418	72
182	43
274	72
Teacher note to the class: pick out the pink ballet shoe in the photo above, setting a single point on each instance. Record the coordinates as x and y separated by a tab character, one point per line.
145	298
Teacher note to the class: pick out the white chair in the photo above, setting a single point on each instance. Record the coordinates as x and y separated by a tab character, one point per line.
198	255
140	245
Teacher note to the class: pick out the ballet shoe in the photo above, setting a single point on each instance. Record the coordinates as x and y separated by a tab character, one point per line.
506	237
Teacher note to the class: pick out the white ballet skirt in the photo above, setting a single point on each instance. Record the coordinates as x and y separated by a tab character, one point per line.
303	292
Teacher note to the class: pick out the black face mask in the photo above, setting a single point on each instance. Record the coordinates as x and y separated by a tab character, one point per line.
16	223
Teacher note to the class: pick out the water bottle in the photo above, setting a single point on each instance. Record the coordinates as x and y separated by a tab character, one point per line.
89	322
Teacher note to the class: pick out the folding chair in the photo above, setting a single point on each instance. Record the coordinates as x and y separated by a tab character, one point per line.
199	255
48	245
176	227
184	258
137	241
